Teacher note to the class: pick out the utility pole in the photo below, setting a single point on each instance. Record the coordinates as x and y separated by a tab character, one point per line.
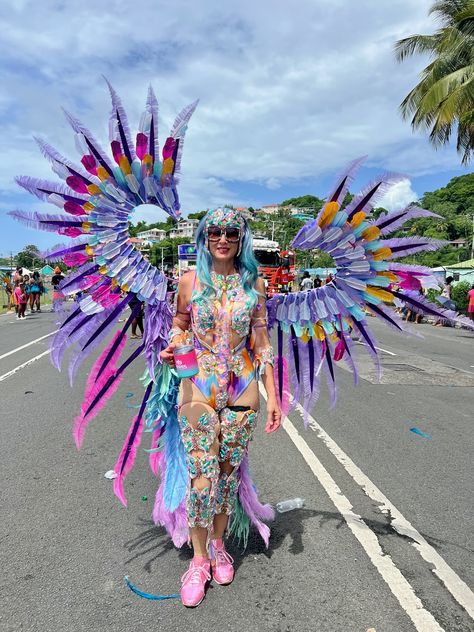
273	229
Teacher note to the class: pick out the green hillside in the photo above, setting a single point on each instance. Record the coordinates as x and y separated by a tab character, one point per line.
454	203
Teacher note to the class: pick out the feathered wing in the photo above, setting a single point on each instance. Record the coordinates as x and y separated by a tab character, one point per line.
318	323
96	200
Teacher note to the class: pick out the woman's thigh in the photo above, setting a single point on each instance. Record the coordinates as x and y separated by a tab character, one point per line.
250	398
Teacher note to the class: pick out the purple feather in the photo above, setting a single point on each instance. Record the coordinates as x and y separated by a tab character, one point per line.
251	505
51	154
46	221
95	148
75	280
152	108
119	115
369	196
128	453
59	251
42	189
388	223
343	181
403	246
178	131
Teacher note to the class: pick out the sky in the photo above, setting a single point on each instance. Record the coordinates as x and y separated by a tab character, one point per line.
289	94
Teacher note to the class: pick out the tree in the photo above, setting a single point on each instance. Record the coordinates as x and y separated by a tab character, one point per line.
305	201
166	251
29	257
443	101
198	215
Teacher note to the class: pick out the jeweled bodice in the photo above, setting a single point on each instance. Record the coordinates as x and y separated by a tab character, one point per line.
238	306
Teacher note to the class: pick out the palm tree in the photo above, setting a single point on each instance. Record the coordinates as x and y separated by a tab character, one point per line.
443	101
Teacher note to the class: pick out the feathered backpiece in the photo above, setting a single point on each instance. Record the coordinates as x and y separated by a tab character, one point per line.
98	196
318	323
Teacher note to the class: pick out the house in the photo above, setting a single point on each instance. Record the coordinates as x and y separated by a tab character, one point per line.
184	228
270	209
152	234
458	243
462	271
143	245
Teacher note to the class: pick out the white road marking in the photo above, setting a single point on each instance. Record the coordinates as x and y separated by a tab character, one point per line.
454	584
22	366
378	348
5	355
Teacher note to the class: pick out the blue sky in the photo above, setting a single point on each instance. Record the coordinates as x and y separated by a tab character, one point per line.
288	94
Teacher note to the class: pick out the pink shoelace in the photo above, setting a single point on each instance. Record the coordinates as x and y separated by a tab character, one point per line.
195	575
222	557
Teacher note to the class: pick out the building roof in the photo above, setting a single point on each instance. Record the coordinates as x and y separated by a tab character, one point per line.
462	264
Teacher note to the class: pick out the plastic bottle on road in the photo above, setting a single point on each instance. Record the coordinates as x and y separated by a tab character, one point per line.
288	505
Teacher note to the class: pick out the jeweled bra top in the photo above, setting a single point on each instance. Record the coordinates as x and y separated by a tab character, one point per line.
238	306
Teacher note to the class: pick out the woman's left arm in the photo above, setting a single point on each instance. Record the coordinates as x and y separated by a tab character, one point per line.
265	358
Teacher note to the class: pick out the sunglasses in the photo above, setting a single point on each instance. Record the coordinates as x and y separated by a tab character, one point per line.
232	233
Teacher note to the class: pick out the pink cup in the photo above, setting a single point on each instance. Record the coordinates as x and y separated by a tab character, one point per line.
185	359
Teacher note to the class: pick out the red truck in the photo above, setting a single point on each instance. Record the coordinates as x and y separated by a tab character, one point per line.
277	266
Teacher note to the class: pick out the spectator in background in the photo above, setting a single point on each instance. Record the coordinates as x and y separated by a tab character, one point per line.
306	282
36	289
445	300
470	307
138	320
317	281
58	296
329	278
9	292
18	275
26	281
21	300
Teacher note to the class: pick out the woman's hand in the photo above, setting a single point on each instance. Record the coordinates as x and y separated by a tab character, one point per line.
273	415
167	355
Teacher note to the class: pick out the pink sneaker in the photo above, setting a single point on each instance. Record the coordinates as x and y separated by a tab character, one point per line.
193	581
222	569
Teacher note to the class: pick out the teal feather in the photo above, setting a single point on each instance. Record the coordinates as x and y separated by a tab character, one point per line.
239	527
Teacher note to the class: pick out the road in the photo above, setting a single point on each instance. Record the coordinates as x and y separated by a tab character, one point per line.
385	541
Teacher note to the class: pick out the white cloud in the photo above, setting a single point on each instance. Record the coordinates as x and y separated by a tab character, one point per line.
273	184
286	93
398	196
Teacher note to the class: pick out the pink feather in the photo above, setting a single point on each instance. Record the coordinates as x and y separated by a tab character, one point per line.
75	259
155	457
94	385
285	403
128	454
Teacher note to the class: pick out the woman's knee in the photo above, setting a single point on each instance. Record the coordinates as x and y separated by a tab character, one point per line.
201	483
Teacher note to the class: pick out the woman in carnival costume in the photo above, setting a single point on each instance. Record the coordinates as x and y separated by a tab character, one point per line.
223	305
200	426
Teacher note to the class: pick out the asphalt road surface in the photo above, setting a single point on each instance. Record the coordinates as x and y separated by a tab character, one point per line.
385	541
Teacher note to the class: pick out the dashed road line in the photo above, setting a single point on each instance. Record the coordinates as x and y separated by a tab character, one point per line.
22	366
28	344
390	573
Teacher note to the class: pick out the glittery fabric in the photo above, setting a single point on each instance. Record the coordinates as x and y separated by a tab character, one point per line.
265	356
224	217
225	372
236	431
226	493
197	441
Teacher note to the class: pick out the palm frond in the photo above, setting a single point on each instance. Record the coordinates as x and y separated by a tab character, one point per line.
409	46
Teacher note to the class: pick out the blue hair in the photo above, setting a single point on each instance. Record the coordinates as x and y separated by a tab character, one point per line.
245	263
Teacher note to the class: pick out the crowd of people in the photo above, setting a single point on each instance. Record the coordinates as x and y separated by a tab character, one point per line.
405	309
26	290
